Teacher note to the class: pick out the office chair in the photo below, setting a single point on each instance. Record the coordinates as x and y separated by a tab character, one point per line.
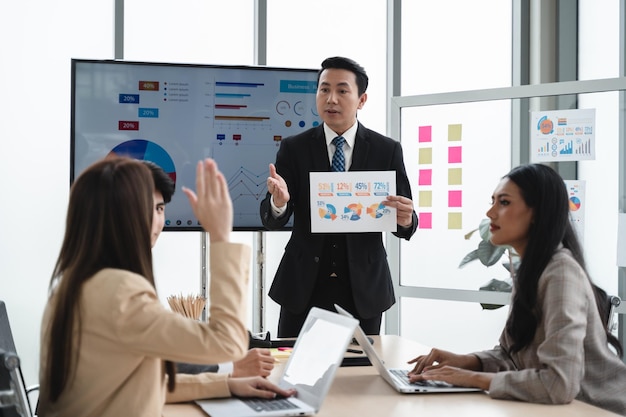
14	395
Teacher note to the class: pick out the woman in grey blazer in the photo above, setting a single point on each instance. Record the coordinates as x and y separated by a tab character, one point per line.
555	346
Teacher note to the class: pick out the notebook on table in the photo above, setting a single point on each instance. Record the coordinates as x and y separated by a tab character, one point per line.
397	377
310	369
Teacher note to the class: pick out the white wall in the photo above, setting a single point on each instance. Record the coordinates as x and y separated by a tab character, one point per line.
37	40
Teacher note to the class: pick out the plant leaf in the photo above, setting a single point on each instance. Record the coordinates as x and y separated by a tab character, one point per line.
483	228
469	258
469	234
488	253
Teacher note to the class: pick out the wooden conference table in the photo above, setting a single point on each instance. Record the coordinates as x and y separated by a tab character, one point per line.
360	391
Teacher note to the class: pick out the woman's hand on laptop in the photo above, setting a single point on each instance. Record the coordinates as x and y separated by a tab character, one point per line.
438	358
257	387
456	376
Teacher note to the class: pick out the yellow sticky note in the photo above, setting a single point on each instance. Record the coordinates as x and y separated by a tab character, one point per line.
425	198
455	221
426	156
454	132
455	176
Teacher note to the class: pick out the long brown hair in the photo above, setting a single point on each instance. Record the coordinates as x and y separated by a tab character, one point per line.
108	225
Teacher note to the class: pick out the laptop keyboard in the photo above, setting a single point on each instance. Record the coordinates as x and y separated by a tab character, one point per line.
261	404
401	374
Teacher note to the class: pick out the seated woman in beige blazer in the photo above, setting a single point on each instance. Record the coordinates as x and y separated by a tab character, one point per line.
258	361
108	344
555	346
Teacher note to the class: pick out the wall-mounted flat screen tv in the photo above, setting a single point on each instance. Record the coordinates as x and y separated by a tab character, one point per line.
177	114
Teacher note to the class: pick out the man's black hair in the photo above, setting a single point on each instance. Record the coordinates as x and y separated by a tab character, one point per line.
340	62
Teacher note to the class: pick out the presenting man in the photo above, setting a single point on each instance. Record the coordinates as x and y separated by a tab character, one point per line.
349	269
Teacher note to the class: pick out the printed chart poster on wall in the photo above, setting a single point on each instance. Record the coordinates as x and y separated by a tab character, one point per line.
563	135
577	203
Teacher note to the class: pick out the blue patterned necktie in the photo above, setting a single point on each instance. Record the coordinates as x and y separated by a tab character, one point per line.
339	160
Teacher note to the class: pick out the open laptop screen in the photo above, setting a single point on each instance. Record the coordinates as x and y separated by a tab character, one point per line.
317	354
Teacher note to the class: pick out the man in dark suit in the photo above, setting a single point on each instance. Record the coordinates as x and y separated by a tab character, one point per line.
349	269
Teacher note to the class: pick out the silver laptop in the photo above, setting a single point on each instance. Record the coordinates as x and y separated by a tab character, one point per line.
310	369
397	377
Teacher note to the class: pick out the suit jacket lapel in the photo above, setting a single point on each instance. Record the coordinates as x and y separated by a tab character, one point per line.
318	150
361	150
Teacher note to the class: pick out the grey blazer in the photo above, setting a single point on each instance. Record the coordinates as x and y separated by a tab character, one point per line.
569	357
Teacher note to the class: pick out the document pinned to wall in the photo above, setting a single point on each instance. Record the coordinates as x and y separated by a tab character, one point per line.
344	202
563	135
577	205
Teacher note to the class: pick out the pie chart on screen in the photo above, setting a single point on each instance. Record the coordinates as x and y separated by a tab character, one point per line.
574	203
148	151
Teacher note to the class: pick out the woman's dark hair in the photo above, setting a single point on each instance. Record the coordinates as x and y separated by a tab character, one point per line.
162	182
108	225
339	62
543	190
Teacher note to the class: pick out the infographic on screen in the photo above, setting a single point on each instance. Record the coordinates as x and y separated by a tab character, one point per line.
177	114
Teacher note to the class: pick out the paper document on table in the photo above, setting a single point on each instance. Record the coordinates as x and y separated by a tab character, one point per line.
352	201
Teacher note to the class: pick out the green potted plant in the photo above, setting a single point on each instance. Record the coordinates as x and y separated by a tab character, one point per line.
489	254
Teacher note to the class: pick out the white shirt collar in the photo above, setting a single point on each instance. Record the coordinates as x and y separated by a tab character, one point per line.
349	135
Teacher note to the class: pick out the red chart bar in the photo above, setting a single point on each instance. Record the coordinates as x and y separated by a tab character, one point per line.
127	125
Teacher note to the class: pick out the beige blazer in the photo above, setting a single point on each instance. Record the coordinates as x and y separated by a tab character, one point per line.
127	333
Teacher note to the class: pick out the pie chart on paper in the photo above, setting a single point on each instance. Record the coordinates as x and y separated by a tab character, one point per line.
574	203
147	151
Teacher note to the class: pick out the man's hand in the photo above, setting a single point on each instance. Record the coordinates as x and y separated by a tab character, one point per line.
404	209
277	187
256	362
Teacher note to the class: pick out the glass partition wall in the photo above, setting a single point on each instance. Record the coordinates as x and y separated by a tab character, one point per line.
457	146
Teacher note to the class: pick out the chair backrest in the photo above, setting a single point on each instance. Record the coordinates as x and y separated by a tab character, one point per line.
14	401
6	336
614	301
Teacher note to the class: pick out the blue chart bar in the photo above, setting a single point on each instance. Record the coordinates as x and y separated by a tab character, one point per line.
129	98
148	112
228	84
232	95
567	149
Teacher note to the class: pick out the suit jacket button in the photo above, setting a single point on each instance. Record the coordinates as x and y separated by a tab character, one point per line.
316	259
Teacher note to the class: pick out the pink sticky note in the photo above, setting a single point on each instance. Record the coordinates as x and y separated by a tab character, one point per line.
425	220
425	177
454	154
455	198
425	134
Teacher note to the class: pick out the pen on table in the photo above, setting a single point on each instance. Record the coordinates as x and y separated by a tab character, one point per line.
354	351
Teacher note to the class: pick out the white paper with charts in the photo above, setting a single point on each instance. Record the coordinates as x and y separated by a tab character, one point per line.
352	201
